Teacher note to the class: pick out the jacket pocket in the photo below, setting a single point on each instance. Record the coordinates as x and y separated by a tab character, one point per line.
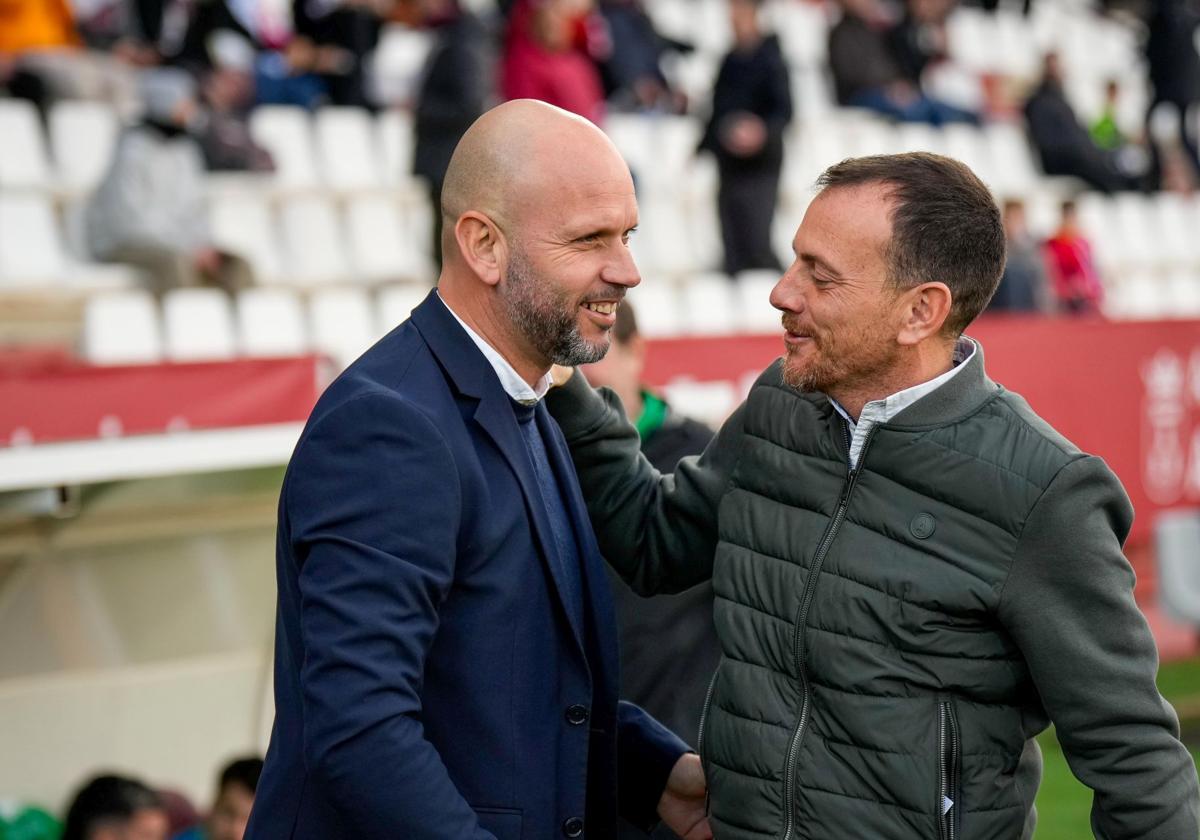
503	823
949	806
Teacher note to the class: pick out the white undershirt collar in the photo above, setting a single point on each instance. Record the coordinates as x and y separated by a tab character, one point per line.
510	380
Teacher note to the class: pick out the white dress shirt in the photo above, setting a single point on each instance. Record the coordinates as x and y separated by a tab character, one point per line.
881	411
513	384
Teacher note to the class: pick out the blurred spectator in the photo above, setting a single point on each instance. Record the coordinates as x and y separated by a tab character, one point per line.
455	90
752	104
235	798
1105	132
345	29
227	93
1064	145
920	41
668	644
1023	284
27	823
545	57
633	76
149	210
867	72
43	58
1175	67
113	807
181	813
1076	283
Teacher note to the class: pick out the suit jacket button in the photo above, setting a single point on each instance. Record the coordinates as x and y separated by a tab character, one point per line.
577	715
573	827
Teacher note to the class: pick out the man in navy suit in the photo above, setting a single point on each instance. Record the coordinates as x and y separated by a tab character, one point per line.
446	656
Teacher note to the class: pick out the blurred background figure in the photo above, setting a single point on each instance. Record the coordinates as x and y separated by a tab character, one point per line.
227	94
1174	64
632	72
342	33
868	73
1073	275
27	823
669	647
235	797
751	106
181	813
111	807
550	51
1063	144
150	210
454	91
1023	285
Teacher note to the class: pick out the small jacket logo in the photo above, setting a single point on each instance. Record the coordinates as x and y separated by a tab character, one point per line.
922	526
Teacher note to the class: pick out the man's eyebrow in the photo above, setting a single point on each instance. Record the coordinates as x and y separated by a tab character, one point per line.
815	261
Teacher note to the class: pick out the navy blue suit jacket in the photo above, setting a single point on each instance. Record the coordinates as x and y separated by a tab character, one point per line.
428	680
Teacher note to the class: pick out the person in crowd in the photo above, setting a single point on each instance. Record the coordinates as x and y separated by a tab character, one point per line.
867	73
914	573
235	799
111	807
548	55
454	92
346	28
632	71
1078	289
919	41
1023	285
181	813
446	655
227	93
1174	65
668	644
751	107
150	208
1063	144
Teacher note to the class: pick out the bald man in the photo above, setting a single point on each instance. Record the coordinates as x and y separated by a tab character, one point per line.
446	657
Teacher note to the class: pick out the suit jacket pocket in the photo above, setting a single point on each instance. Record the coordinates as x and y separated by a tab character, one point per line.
504	823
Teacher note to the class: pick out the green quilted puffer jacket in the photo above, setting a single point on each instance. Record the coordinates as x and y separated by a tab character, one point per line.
894	637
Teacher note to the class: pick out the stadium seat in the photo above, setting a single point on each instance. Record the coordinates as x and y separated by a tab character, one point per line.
1177	535
382	246
395	66
803	32
659	310
710	305
31	246
396	303
709	402
122	328
198	325
313	240
23	158
633	137
83	137
1012	161
395	141
270	322
347	150
1182	293
243	224
757	313
662	243
341	322
285	132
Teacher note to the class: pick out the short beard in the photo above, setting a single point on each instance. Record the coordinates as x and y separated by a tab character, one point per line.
545	317
845	360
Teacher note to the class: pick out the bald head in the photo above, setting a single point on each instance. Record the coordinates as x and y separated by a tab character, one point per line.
520	155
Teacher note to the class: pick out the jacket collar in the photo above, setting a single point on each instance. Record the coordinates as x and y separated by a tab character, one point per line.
963	395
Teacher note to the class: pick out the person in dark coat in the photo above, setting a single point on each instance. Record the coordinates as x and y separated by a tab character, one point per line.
1175	68
669	647
454	92
1023	285
446	653
752	104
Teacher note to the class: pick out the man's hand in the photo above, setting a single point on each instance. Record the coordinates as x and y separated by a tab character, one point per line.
682	804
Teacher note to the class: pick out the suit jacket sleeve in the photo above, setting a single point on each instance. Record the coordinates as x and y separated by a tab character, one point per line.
658	531
372	509
1068	604
646	754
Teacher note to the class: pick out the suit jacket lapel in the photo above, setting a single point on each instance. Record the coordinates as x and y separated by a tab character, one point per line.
473	376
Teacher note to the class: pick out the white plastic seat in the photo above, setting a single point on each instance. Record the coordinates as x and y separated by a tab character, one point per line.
754	290
803	32
662	243
347	149
242	224
395	66
1177	544
633	135
709	402
31	245
1012	162
382	244
285	132
1182	293
659	309
313	240
198	325
341	324
395	140
23	158
122	328
710	305
396	303
270	322
83	137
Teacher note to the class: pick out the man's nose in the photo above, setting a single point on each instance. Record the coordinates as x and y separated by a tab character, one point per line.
621	270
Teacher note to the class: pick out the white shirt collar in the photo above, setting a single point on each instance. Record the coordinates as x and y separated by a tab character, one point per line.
510	380
881	411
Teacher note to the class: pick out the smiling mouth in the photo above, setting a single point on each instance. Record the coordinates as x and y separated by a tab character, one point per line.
606	308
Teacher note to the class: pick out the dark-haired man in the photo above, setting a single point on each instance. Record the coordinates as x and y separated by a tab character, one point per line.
235	798
914	574
111	807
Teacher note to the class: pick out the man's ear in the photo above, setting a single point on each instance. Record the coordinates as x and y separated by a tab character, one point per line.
482	245
923	313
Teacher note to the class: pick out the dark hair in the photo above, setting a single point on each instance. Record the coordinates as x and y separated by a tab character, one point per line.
242	771
106	798
945	226
626	326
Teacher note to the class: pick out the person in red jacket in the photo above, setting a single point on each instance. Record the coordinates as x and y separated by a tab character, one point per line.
546	57
1072	271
